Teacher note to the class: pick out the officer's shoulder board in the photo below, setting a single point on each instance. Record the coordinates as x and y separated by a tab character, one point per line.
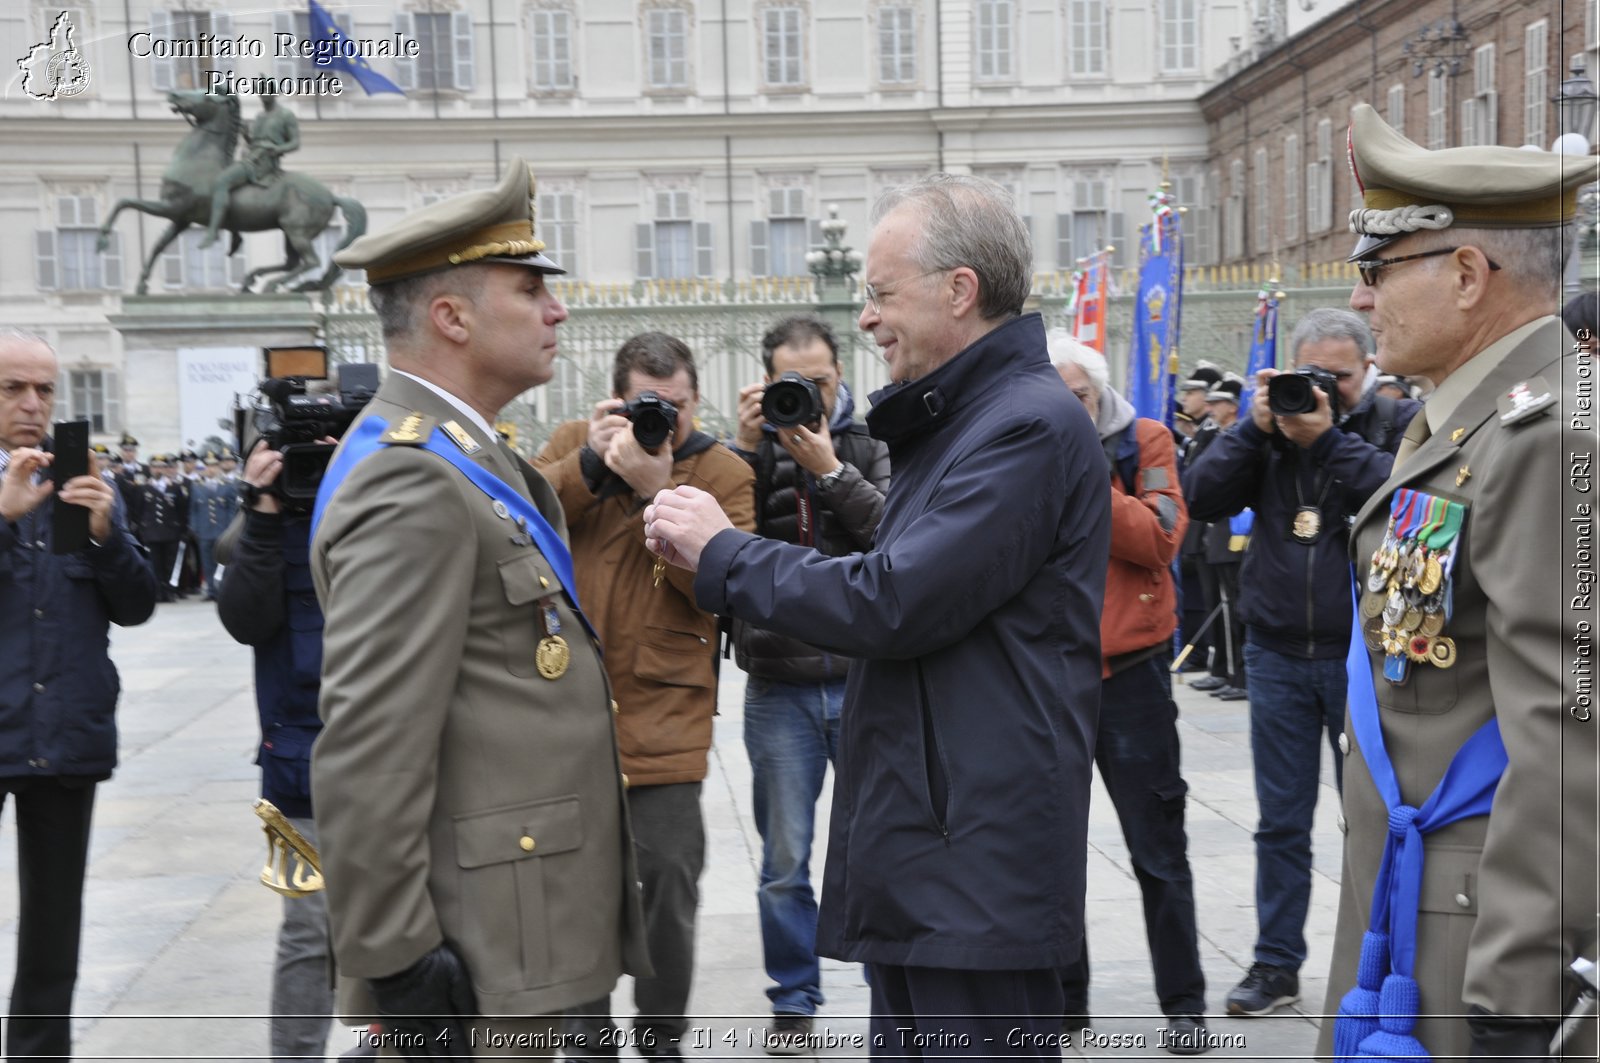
412	431
1526	401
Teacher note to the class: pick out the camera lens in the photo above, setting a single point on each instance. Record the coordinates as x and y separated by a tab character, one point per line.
1290	393
651	428
791	400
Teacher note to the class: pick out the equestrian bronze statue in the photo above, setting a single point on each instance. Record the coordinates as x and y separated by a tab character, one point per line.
205	185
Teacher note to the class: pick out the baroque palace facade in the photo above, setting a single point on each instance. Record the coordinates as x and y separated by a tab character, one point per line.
692	141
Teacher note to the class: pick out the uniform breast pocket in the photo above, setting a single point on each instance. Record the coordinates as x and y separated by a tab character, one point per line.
510	862
530	587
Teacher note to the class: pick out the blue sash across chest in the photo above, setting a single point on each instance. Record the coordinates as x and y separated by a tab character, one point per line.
366	439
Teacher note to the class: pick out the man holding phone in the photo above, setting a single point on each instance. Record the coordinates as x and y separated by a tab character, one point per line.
58	687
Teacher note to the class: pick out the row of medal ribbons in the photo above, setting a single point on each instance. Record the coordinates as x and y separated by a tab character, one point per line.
1408	600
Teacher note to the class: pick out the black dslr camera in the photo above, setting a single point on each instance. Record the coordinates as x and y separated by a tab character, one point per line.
1290	393
654	419
292	417
791	400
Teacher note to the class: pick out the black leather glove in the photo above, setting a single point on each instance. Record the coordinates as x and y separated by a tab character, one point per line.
427	1006
1509	1036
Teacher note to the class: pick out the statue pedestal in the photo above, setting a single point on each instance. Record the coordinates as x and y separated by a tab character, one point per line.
189	356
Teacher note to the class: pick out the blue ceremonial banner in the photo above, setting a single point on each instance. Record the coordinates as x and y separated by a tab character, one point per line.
336	51
1263	346
1152	360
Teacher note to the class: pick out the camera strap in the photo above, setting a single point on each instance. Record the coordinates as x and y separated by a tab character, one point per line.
366	439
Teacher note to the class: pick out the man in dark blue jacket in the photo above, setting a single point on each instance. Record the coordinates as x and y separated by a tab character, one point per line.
266	601
1304	475
956	853
58	687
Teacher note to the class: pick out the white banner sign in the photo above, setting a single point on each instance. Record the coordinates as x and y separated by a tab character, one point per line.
209	378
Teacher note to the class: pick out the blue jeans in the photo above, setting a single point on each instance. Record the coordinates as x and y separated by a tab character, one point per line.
1294	702
791	732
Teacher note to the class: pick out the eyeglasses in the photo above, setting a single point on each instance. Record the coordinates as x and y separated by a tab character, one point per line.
1371	268
875	295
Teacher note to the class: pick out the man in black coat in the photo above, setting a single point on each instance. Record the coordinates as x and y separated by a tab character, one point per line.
819	484
956	862
1303	475
162	505
58	687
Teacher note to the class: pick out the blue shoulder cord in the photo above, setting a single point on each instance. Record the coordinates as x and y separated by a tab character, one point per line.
1376	1017
365	440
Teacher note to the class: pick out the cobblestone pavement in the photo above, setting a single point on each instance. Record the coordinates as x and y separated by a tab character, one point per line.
179	934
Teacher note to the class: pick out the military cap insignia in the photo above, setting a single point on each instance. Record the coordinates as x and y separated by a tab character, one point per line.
413	430
468	445
1524	401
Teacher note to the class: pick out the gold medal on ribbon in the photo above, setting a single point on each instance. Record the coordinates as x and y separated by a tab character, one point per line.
1432	576
1418	648
553	656
1432	624
1372	604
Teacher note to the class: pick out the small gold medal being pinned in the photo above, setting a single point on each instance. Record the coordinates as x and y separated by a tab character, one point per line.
553	656
1442	652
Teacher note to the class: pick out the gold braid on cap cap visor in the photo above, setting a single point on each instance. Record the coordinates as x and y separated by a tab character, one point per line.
507	238
1388	212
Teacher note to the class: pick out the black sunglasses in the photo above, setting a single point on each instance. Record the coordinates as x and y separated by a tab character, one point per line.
1371	268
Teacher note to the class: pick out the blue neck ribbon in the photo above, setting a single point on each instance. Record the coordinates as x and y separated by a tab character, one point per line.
1377	1016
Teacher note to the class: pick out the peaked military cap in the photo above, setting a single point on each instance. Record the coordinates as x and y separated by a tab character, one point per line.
1227	390
212	459
1406	188
100	448
128	441
491	225
1203	378
188	455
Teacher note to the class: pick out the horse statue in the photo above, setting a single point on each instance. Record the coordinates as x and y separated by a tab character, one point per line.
297	204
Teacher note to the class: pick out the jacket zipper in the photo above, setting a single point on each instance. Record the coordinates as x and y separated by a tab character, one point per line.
930	737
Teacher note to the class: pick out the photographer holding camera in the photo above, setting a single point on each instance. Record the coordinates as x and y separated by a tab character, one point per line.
266	601
820	481
1316	443
660	651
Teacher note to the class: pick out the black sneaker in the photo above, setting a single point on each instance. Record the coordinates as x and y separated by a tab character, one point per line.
1263	990
1210	682
788	1035
1186	1035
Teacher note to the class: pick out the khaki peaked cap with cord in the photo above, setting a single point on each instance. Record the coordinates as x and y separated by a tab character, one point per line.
1406	188
490	225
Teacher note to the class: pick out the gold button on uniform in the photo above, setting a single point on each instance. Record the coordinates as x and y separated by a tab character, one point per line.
1344	826
526	843
614	707
1344	743
1147	597
1463	901
625	782
543	582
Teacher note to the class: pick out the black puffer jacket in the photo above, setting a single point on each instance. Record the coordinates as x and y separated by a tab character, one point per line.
845	519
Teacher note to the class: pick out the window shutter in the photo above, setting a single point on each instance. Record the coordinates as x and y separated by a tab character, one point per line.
644	246
704	260
1469	122
814	228
221	26
1119	257
111	263
64	397
758	249
1064	259
405	70
286	66
113	400
46	277
172	264
461	39
161	70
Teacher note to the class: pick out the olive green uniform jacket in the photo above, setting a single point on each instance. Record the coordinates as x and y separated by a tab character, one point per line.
460	795
1508	900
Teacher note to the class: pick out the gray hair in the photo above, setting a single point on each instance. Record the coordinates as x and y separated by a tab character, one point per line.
1330	323
1535	259
22	335
1067	350
969	221
397	302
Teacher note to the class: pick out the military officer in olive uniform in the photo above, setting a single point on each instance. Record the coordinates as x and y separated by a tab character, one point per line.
468	794
1462	558
161	508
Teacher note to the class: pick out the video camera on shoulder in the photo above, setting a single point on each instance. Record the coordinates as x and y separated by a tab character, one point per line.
654	419
296	406
791	400
1290	393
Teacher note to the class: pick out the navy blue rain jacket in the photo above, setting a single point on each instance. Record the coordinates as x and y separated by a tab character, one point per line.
58	687
961	798
1294	597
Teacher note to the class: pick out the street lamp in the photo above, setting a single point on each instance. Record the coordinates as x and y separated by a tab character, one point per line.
1575	105
833	261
